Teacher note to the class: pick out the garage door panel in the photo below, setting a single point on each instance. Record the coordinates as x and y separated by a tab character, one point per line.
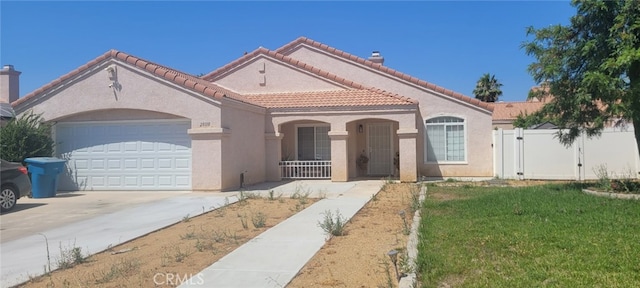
114	164
114	181
131	181
131	156
130	163
182	163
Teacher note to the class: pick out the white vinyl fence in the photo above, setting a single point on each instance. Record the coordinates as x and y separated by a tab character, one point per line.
537	154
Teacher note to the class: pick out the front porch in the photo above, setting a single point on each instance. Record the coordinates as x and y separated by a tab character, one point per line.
313	149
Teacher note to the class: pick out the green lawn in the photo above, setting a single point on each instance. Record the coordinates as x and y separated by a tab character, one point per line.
542	236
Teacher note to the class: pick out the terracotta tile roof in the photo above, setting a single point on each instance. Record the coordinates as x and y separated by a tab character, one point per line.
511	110
336	98
303	40
182	79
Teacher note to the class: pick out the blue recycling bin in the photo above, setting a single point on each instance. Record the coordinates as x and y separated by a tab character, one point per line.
44	175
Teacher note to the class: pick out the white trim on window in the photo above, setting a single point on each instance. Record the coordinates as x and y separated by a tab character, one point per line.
296	126
445	121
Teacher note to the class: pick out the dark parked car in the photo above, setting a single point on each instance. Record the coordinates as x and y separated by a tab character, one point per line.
15	184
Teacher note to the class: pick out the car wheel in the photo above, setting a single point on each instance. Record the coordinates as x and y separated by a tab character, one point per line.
7	198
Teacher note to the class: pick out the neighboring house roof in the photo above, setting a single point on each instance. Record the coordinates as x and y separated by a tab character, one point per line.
182	79
6	111
303	40
511	110
337	98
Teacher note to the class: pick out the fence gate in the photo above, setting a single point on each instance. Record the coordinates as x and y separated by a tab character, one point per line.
537	154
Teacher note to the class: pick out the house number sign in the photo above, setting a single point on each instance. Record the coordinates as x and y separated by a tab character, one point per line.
205	124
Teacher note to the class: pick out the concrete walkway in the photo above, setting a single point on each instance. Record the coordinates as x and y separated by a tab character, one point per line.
273	258
270	260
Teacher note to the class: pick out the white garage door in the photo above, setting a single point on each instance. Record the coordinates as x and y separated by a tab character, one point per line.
140	155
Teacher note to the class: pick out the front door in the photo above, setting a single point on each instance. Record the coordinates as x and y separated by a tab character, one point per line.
379	138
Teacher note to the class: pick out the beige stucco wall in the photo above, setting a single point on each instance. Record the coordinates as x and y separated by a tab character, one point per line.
244	147
478	121
88	97
263	75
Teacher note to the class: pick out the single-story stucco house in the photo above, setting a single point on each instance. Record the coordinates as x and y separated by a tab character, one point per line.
304	110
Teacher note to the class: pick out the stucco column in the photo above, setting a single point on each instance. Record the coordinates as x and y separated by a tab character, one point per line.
339	157
273	155
206	158
408	155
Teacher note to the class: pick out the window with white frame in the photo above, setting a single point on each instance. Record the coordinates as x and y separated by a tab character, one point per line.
445	139
314	143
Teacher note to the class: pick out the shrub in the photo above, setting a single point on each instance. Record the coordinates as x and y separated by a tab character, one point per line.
26	136
333	226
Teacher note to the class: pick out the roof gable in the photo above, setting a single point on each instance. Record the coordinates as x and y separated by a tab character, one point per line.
292	46
220	72
181	79
262	73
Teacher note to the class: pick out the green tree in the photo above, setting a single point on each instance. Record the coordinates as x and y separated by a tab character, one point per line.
591	67
488	88
25	136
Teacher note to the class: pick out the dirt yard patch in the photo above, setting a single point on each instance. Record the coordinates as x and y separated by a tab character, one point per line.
359	259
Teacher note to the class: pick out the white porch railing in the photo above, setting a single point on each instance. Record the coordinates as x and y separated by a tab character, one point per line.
311	169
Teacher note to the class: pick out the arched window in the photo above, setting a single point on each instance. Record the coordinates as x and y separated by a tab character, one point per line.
445	139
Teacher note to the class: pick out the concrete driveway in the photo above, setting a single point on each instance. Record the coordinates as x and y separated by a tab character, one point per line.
32	216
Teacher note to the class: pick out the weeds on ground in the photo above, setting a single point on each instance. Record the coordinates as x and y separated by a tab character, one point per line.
406	230
624	183
188	235
259	220
186	218
243	220
180	255
386	266
70	256
333	225
404	263
220	211
414	193
272	196
604	180
244	195
301	193
118	270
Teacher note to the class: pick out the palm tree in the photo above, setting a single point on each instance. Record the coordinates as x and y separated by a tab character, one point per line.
488	88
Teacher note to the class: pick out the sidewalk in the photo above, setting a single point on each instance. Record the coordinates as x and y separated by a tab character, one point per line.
273	258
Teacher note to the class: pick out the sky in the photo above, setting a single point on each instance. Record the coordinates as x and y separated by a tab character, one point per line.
448	43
